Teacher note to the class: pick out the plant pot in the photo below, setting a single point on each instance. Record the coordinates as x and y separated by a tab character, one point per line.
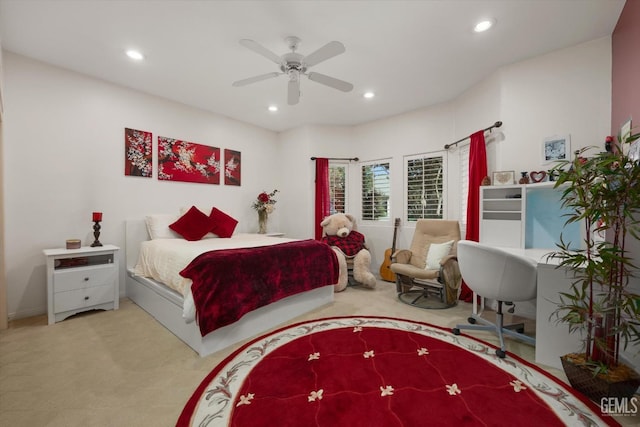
595	387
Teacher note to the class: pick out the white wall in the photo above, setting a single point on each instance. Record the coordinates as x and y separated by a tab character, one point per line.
421	131
64	152
565	92
297	176
64	158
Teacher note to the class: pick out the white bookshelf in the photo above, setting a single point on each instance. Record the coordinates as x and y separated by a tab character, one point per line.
528	216
502	215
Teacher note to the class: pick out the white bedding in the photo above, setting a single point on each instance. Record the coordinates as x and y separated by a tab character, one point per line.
163	259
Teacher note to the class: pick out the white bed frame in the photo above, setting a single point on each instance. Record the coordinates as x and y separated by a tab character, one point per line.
165	304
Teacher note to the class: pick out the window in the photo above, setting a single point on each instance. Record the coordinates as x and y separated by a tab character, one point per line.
376	191
425	186
337	187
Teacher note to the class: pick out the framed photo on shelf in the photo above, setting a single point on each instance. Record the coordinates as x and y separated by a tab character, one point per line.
625	130
634	151
503	178
555	148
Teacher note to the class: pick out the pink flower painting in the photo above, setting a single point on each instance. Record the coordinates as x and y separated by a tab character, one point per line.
187	161
137	153
231	167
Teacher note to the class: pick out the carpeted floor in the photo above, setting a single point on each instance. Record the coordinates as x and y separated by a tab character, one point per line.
122	368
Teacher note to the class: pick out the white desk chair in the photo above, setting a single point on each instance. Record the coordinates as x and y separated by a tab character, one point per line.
495	274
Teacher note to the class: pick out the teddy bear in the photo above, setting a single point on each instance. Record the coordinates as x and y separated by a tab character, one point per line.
339	232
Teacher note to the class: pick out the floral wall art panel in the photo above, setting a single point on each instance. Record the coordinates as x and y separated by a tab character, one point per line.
137	153
231	167
187	161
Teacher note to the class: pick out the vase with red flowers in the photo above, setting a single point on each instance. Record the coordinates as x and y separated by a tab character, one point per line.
264	204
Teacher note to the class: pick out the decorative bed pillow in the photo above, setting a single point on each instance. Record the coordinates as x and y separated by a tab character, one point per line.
185	209
223	224
158	226
193	225
437	251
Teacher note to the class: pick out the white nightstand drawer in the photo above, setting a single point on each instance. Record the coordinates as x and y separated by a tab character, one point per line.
73	300
83	277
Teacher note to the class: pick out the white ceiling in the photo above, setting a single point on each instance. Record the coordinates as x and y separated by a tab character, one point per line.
413	54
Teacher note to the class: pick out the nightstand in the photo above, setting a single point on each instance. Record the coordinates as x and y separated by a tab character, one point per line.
80	280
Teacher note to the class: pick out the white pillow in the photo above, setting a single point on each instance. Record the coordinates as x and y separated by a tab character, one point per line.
158	226
437	251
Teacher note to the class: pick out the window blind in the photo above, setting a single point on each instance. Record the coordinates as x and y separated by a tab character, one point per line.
376	191
337	187
425	186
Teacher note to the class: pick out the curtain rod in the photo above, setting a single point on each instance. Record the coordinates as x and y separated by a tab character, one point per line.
355	159
495	125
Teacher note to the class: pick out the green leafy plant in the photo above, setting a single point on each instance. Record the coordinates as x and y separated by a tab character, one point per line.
602	192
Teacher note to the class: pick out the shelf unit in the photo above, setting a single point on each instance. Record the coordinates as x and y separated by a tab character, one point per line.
502	215
527	216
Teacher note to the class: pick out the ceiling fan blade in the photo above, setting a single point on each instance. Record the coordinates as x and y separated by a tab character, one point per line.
327	51
255	79
293	94
331	82
258	48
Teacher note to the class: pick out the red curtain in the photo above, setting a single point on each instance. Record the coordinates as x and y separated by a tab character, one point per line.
322	194
477	171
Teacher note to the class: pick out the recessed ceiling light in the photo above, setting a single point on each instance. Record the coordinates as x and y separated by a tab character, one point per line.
484	25
273	108
134	54
369	95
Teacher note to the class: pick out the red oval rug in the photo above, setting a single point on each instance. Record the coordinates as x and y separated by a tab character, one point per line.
375	371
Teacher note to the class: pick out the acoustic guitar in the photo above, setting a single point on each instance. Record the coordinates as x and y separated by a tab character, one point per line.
385	272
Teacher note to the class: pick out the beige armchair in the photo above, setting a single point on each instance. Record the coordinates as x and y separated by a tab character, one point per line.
429	268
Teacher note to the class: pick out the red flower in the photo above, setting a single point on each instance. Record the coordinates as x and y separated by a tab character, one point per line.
263	197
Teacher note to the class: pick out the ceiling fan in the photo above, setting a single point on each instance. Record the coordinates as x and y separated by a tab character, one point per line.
295	65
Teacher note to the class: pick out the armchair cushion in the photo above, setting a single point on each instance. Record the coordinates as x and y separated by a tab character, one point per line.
436	252
412	271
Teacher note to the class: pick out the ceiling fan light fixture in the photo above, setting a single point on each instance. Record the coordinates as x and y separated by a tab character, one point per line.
369	95
294	75
134	54
484	25
273	108
295	65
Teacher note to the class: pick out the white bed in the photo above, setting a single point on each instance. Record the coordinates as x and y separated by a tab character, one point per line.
166	305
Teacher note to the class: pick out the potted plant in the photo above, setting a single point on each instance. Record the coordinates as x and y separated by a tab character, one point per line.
601	192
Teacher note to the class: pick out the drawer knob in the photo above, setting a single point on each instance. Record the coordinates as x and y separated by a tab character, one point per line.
86	279
86	298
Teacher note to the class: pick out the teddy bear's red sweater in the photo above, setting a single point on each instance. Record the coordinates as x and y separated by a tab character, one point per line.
349	245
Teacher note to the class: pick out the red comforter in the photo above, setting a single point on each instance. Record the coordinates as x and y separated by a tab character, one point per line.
227	284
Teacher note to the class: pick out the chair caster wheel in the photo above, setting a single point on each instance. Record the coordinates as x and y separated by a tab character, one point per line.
501	354
471	320
455	331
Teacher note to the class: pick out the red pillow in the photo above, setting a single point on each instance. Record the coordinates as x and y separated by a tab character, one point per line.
223	224
193	225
